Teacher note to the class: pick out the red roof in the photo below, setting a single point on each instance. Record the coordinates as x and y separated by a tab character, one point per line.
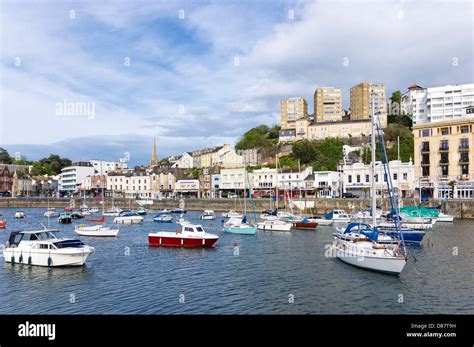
414	86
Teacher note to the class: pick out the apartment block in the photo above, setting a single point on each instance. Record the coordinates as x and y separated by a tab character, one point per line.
328	104
362	96
444	156
437	104
291	110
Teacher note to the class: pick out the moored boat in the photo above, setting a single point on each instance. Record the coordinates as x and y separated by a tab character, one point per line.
208	215
239	226
304	223
274	225
45	248
141	211
163	218
3	224
95	230
322	221
178	211
51	212
65	218
191	235
20	215
232	214
338	216
128	217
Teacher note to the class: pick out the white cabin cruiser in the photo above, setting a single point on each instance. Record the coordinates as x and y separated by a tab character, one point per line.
95	230
208	215
338	216
51	212
128	218
20	214
232	214
45	248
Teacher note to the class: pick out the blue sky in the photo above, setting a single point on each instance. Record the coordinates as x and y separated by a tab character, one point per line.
183	84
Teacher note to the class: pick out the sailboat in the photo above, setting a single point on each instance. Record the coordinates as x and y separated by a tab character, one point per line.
358	245
98	230
239	225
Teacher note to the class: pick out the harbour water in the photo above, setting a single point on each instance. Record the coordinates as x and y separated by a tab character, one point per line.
269	273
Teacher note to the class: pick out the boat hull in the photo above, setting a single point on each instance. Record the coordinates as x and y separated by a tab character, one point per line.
96	231
125	220
63	258
274	227
241	231
177	241
305	225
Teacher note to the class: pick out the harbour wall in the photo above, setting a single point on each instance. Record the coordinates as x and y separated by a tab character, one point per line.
457	208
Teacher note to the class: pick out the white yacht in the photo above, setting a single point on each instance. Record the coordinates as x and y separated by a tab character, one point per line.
51	212
113	212
274	225
45	248
128	217
338	216
232	214
20	215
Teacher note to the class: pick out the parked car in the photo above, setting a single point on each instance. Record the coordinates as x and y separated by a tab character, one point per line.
349	196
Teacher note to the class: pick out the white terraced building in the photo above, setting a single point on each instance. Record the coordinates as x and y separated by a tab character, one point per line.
437	104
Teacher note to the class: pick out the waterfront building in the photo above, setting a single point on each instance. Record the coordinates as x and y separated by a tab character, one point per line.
437	104
341	129
104	167
357	178
205	181
327	184
6	181
231	180
187	188
292	179
444	157
203	157
291	110
361	97
264	181
45	185
215	184
328	104
71	177
184	161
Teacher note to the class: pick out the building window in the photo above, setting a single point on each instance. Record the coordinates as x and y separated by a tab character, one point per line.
395	176
425	132
425	146
358	178
405	176
444	146
349	178
464	129
444	131
425	171
376	177
464	143
367	178
464	169
444	170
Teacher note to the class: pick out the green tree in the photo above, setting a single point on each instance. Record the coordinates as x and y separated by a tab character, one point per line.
322	155
288	161
4	156
51	165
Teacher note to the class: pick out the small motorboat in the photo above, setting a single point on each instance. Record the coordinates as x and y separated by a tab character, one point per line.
268	215
274	225
163	218
141	211
208	215
178	211
305	223
239	226
51	213
65	218
20	215
232	214
445	218
191	235
95	230
113	212
45	248
338	216
128	217
3	224
93	210
68	209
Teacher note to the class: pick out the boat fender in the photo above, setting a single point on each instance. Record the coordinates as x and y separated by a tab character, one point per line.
12	259
21	258
29	260
50	261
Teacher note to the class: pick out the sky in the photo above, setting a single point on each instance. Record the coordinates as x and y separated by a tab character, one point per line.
99	80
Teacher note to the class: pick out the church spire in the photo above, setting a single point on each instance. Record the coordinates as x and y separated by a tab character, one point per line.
154	158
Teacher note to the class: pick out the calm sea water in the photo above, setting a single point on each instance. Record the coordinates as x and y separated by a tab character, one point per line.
273	273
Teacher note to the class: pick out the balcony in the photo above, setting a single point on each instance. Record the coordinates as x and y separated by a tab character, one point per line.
444	162
443	149
463	148
425	149
464	160
425	163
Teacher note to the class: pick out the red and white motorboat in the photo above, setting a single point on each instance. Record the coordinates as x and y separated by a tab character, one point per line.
191	235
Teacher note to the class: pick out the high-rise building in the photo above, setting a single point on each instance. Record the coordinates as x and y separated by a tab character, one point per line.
293	109
362	96
328	104
437	104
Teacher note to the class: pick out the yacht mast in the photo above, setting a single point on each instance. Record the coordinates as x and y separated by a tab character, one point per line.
373	191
